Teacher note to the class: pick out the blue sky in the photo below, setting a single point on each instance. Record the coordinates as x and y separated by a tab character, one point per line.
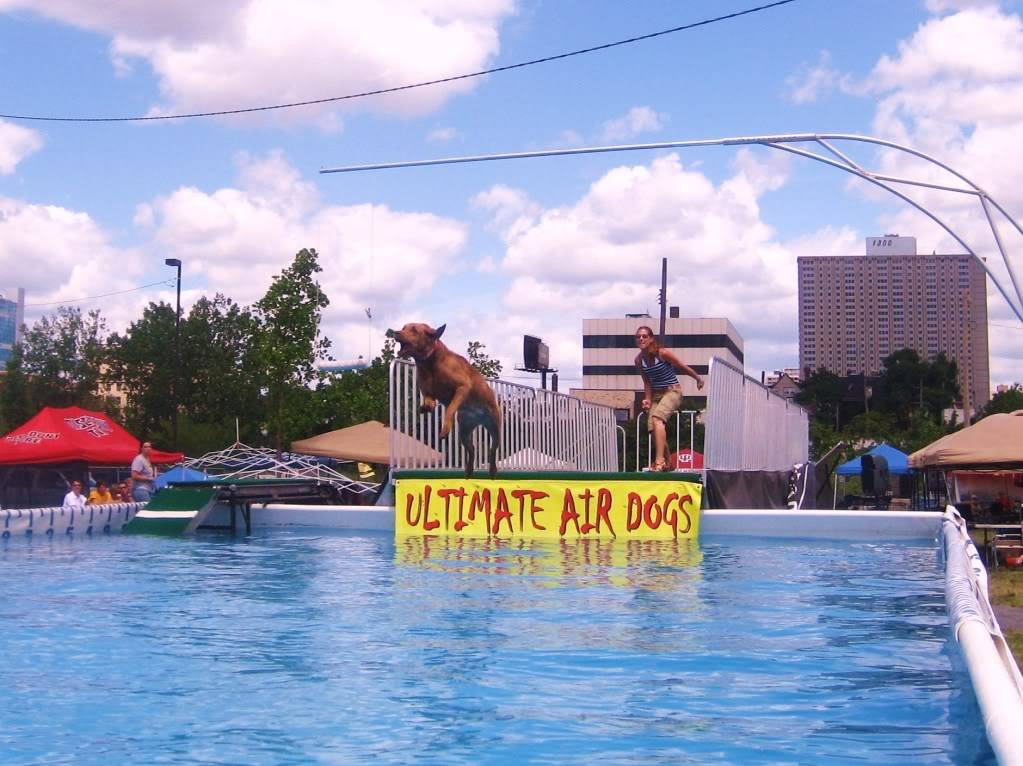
498	249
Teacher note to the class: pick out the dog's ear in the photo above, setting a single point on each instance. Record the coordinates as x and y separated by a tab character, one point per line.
439	331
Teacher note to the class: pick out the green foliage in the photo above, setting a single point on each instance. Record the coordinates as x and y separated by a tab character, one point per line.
1009	400
905	409
910	384
823	436
61	357
822	394
289	342
356	396
220	368
142	364
487	367
15	403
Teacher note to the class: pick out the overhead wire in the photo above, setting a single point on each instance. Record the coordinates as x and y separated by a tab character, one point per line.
102	295
399	88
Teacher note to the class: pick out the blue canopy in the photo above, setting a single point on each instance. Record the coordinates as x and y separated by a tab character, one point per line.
179	473
898	462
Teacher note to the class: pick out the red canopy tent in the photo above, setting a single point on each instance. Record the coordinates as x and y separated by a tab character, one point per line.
71	434
686	460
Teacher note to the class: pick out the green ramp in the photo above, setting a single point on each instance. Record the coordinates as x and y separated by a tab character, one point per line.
174	511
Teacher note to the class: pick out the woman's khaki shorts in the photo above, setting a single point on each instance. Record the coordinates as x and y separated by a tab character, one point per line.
664	406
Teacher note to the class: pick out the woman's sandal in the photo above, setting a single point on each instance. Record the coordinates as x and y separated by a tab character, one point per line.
659	465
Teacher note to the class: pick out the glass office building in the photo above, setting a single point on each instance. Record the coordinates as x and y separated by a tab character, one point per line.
12	317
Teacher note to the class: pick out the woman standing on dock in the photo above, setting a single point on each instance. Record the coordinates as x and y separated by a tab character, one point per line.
662	391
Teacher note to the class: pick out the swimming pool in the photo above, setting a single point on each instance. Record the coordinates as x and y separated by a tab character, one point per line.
300	646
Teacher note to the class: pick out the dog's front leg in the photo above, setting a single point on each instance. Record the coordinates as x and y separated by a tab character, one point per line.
449	414
429	404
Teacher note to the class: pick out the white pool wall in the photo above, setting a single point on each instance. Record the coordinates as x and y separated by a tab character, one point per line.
843	525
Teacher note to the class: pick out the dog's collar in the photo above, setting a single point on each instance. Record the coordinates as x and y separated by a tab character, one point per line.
428	354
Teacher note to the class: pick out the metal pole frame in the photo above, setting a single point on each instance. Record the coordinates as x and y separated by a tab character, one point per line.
781	142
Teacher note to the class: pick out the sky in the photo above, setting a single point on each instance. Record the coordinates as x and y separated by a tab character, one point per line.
495	250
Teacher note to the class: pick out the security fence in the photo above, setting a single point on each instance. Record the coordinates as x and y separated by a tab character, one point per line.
750	428
541	430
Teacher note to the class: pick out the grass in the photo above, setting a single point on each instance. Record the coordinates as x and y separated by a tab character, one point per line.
1006	589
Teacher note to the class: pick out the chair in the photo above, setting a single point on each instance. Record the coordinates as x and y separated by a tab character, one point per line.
1006	549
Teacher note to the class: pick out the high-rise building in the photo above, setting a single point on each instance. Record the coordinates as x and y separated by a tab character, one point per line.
12	317
609	353
854	310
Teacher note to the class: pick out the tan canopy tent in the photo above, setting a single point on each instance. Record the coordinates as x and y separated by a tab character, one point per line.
994	442
367	442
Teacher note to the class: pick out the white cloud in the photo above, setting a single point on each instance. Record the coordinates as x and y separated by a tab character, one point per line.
600	256
810	83
443	135
16	143
58	254
236	53
940	6
639	119
954	90
237	238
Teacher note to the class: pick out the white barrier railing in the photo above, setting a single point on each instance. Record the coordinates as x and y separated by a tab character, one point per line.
541	430
750	428
641	425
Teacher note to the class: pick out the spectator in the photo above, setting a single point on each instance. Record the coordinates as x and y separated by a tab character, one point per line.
74	500
143	475
100	495
126	491
115	493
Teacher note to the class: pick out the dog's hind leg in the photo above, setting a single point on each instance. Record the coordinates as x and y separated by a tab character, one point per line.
468	449
494	430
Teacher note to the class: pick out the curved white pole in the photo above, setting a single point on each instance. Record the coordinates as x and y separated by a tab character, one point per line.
777	142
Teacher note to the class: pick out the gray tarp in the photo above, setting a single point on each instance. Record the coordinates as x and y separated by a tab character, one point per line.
367	442
993	442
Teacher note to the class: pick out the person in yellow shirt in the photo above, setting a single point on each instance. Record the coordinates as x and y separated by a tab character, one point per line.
100	495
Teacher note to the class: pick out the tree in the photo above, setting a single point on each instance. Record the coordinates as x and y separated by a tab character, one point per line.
142	364
487	367
221	369
1009	400
900	388
940	386
909	384
822	394
61	357
356	396
15	404
289	342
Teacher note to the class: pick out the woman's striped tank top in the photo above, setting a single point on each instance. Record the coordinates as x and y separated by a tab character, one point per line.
660	373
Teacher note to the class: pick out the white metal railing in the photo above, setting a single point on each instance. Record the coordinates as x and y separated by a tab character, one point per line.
541	430
641	418
750	428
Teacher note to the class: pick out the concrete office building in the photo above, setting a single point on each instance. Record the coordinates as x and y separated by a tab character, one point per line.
12	317
609	352
854	310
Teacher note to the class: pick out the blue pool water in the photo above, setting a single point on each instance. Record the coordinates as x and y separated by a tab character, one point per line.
324	647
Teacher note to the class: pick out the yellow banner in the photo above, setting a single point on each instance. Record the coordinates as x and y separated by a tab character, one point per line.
530	508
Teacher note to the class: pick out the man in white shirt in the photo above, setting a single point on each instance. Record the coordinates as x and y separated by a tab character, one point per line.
74	499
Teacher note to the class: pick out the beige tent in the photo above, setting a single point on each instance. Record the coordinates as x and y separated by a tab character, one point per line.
994	442
367	442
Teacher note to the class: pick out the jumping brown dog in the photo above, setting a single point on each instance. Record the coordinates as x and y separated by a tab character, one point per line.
446	377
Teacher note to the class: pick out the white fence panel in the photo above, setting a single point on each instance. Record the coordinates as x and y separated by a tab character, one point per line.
541	430
750	428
